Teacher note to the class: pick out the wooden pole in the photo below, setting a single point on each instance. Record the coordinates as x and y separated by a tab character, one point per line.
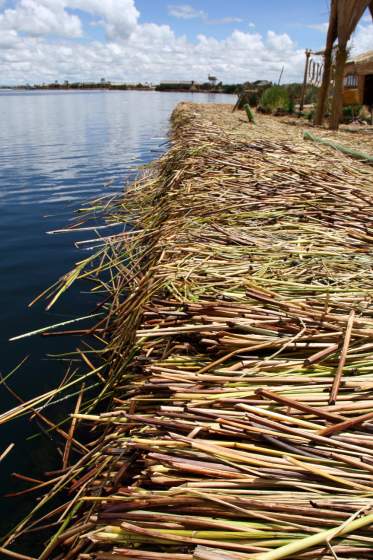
338	88
324	89
280	78
304	88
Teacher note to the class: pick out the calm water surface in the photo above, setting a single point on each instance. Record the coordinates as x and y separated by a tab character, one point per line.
57	150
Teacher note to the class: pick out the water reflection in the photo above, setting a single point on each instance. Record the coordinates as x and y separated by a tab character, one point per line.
71	142
57	150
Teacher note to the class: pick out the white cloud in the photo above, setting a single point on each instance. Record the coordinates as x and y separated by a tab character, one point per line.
362	40
40	17
8	39
133	51
153	53
280	43
119	17
322	27
252	24
185	11
224	20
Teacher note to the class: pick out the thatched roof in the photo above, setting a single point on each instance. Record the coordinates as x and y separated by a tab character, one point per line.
344	17
362	58
362	63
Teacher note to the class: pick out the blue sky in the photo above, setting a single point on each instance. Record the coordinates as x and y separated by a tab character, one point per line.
151	40
289	16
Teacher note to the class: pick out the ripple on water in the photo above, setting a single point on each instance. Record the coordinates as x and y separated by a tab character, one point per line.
58	150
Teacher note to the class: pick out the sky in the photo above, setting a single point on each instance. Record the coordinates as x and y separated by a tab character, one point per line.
154	40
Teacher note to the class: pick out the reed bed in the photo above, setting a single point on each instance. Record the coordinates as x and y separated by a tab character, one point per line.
237	356
353	136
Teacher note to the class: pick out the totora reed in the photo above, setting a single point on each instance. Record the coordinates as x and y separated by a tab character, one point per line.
231	355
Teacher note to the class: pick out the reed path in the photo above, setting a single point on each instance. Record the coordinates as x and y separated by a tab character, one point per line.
238	338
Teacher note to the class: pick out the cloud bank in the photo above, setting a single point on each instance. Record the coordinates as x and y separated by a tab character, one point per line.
185	11
47	40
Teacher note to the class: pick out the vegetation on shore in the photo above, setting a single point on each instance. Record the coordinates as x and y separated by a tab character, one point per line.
256	88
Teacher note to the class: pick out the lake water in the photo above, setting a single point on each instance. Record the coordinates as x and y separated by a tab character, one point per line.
57	150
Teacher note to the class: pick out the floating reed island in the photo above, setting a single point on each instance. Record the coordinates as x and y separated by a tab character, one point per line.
236	357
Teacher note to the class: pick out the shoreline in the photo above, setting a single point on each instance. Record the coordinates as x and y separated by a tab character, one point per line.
241	292
113	88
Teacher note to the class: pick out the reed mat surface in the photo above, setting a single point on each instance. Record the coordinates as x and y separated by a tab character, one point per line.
236	357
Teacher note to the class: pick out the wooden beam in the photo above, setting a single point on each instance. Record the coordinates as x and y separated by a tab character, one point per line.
331	37
349	13
304	88
337	104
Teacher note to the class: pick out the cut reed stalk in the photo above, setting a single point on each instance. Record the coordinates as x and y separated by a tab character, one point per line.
233	351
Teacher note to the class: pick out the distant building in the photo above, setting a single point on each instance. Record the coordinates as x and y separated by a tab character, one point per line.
178	83
262	83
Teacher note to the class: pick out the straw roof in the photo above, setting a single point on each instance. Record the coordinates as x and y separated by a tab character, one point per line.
364	57
361	64
344	17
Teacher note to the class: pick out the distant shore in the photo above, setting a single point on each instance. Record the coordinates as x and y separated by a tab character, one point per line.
24	89
172	88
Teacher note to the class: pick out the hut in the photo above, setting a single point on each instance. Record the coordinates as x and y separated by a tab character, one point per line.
344	17
358	80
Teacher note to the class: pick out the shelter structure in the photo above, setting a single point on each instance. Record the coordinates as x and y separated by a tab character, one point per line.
344	17
358	81
312	73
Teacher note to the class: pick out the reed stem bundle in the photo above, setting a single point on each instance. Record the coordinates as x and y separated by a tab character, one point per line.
237	339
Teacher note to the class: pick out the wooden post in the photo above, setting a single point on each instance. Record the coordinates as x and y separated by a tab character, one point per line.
338	88
280	78
324	89
304	88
